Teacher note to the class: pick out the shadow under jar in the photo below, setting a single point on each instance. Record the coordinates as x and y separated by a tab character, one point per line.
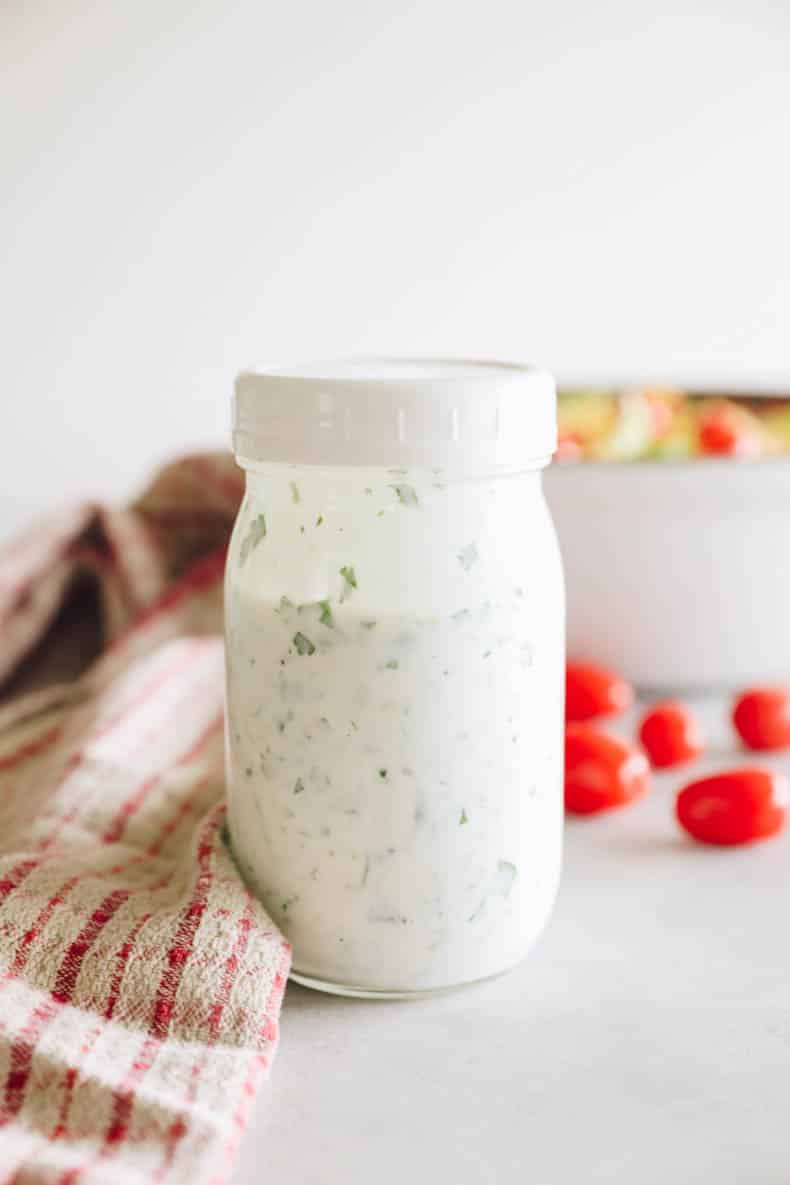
395	657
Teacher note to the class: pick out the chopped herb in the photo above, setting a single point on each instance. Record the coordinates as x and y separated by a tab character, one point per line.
301	529
368	625
468	555
284	604
248	771
507	873
255	532
379	514
407	495
464	818
295	495
326	614
355	726
324	611
349	575
478	913
382	773
391	664
303	645
319	520
298	786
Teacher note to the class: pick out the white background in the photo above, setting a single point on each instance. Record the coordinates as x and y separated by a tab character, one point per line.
188	187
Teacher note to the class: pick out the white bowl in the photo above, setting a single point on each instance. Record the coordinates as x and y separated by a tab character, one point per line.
678	573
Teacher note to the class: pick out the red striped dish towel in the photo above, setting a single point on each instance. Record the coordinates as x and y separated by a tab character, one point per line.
140	983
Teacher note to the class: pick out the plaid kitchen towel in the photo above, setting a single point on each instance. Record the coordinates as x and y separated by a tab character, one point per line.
140	982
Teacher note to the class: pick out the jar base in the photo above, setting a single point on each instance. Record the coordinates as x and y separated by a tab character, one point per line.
365	993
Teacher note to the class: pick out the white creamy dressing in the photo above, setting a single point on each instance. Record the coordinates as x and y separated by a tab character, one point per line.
395	692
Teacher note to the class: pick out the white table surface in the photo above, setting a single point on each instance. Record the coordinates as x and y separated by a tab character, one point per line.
646	1041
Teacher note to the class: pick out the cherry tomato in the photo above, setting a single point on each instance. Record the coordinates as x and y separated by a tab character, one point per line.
738	806
670	734
593	691
569	448
721	433
601	771
761	716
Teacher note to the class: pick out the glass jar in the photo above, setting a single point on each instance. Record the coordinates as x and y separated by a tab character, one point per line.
395	659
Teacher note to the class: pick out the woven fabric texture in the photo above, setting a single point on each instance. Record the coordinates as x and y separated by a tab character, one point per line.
140	982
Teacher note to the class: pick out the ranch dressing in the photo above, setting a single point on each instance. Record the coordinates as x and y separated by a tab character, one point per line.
395	682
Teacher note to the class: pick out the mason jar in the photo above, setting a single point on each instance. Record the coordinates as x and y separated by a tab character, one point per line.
395	668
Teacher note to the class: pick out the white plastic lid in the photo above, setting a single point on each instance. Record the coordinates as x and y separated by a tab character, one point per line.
397	412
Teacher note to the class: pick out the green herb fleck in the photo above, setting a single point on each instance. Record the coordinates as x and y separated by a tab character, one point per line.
298	786
284	604
368	625
255	532
301	529
303	645
382	773
478	913
507	873
407	495
295	495
464	818
324	611
379	514
325	616
391	664
468	555
319	520
355	726
349	575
